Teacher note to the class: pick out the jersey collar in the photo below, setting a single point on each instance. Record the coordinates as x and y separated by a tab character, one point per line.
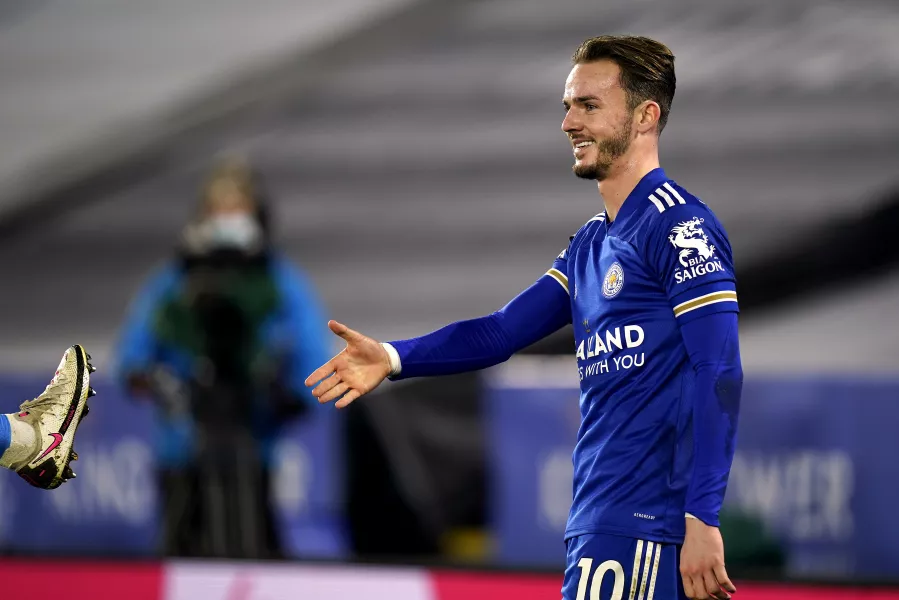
638	196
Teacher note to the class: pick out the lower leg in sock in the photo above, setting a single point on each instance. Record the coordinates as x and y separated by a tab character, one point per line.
20	441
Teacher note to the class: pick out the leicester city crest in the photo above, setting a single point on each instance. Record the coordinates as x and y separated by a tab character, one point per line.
613	281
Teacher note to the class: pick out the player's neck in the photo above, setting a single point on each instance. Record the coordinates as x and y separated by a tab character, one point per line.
622	180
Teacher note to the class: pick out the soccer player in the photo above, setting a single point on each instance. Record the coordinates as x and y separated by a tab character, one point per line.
36	442
649	287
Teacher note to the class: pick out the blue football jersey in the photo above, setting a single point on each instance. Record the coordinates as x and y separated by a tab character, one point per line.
664	261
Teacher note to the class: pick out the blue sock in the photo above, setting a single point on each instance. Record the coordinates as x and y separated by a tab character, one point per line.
5	434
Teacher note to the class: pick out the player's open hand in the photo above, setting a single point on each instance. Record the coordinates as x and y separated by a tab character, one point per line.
357	370
702	563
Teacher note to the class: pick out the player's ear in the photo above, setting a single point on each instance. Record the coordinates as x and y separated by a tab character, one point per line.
647	116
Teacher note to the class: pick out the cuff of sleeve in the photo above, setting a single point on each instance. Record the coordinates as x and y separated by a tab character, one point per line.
396	366
709	519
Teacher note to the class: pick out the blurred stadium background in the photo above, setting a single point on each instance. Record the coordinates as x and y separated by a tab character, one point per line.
413	151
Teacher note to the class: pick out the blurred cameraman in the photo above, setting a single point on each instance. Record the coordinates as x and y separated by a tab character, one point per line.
221	339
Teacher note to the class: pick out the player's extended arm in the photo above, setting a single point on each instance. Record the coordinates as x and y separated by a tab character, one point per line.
713	346
479	343
358	369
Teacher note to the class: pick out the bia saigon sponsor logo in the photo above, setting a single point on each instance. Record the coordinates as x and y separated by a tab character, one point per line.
696	254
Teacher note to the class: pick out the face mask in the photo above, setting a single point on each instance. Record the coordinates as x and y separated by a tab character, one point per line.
238	231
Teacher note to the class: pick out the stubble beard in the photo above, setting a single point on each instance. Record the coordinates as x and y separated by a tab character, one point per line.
607	152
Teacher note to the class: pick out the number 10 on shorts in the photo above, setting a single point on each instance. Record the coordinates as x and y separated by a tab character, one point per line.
592	580
610	566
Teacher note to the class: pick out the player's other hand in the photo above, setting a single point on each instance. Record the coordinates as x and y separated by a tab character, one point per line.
702	563
357	370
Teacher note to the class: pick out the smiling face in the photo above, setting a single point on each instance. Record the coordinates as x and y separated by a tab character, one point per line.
598	119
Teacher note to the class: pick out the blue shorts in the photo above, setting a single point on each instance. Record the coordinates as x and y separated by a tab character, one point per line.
612	567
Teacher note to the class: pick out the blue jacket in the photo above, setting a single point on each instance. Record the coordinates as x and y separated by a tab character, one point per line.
297	331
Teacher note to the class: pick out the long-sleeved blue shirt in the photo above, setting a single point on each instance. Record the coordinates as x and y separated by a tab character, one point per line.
652	298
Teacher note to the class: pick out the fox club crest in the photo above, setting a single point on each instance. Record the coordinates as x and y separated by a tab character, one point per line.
613	281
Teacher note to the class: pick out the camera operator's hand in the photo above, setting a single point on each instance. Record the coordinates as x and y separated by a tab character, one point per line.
357	370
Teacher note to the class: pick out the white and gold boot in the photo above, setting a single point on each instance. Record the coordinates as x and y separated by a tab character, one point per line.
54	417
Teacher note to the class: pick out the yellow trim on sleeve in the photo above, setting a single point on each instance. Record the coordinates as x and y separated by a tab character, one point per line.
560	277
700	301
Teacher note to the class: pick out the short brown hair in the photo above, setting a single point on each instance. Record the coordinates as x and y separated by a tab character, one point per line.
647	68
232	170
